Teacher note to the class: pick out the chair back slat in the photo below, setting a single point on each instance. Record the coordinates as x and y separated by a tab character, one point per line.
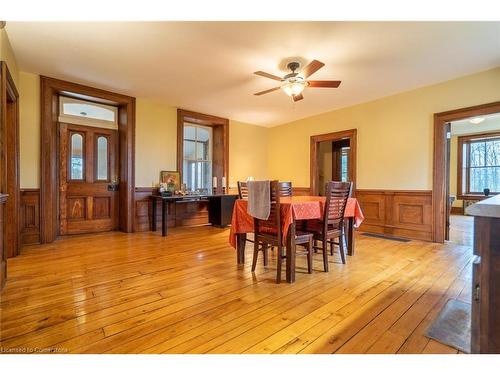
273	223
337	194
285	189
243	190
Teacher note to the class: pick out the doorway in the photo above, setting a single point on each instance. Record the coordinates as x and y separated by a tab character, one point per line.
333	158
441	194
88	170
474	171
95	208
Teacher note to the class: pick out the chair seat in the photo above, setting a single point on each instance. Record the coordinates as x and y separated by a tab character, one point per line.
303	237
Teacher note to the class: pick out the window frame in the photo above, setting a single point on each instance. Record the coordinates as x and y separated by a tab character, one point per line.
463	179
87	121
220	143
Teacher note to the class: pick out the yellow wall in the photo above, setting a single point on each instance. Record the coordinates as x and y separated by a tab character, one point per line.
29	129
248	152
394	133
7	55
155	141
453	169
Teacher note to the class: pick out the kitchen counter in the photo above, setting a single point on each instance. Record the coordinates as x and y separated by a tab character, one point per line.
487	208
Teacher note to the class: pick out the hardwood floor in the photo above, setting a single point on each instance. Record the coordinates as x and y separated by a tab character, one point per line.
462	229
141	293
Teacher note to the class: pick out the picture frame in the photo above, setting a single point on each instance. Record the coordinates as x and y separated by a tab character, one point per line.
171	179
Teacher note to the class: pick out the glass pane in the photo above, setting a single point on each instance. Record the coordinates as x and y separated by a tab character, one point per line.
477	154
89	110
189	175
76	157
189	132
204	175
203	137
189	149
493	153
102	158
485	177
344	167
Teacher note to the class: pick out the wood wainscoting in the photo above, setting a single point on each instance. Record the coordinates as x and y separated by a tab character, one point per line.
179	214
30	216
398	213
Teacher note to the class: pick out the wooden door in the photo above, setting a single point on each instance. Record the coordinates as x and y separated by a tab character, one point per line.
88	171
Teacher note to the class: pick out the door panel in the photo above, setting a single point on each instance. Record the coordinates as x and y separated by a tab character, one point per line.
87	167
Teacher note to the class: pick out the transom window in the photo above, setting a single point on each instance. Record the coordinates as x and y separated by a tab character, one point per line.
480	165
197	160
76	111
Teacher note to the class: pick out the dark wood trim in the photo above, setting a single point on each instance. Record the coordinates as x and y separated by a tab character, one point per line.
457	210
221	168
30	216
441	160
51	88
350	134
301	190
10	182
397	213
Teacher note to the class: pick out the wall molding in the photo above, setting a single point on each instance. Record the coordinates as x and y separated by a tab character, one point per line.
398	213
30	216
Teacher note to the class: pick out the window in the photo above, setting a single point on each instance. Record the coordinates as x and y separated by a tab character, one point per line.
102	158
479	164
202	150
344	160
197	160
83	112
76	167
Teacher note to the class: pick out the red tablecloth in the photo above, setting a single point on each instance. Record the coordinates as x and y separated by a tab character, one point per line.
292	208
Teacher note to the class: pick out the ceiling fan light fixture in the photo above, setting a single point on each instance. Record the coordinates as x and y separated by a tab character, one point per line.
294	86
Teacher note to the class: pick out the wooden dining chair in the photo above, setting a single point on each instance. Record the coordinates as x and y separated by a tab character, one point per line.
285	189
331	226
243	190
268	233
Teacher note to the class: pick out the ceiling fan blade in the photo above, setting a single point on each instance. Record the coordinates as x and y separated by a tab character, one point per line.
267	75
312	68
331	84
266	91
296	98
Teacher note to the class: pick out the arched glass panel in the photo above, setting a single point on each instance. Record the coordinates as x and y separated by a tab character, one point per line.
102	158
77	162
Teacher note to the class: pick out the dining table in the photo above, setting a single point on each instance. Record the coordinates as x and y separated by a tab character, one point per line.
293	209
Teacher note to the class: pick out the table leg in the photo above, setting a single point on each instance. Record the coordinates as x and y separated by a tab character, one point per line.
153	218
290	254
163	217
241	239
350	236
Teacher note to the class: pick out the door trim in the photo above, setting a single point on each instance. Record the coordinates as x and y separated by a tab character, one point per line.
50	89
440	161
10	180
350	134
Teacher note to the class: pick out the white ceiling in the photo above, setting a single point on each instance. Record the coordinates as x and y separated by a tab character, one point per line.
208	66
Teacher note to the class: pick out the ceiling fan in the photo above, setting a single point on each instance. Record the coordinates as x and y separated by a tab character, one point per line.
294	83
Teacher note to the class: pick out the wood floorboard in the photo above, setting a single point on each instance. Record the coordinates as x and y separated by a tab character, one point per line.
142	293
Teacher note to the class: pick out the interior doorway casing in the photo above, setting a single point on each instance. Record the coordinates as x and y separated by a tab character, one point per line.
51	89
10	180
351	135
441	160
